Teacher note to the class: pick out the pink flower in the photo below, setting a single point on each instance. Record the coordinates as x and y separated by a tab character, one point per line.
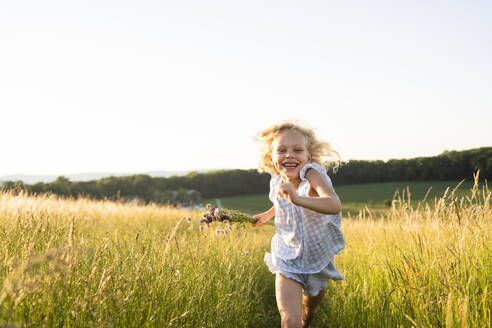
216	212
229	215
247	253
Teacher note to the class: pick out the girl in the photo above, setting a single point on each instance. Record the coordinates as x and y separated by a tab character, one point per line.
307	220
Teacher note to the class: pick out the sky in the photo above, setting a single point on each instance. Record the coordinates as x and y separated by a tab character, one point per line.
138	86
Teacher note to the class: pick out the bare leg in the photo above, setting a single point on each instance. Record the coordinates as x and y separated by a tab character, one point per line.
289	301
309	306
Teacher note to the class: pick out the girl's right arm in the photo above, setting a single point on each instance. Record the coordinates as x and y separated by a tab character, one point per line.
264	217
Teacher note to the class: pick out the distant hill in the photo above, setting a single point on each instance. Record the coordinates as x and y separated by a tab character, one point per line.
31	178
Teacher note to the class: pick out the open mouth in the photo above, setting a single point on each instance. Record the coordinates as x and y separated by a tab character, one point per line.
290	166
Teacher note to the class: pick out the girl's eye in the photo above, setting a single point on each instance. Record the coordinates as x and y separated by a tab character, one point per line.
299	150
281	150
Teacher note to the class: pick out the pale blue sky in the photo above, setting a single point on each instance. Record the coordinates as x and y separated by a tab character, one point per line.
139	86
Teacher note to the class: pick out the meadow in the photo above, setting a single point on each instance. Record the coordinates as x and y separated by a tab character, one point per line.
374	197
85	263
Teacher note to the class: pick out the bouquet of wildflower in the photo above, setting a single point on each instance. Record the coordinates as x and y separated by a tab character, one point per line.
226	216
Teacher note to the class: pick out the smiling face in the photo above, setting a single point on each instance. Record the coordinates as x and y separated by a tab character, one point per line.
289	154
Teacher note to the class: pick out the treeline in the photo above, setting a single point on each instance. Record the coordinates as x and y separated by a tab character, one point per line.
450	165
156	189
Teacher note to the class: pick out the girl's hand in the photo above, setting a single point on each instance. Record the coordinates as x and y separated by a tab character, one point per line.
324	200
262	218
288	191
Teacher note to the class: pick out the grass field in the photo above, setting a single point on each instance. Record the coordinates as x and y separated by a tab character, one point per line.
82	263
375	196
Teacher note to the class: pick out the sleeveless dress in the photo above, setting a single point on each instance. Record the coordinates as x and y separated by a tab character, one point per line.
305	241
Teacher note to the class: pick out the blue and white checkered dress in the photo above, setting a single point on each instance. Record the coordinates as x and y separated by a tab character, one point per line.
305	241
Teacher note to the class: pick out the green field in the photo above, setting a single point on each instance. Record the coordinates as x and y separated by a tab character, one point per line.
375	196
86	263
386	191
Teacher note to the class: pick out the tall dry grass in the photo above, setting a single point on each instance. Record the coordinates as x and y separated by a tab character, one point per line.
84	263
418	266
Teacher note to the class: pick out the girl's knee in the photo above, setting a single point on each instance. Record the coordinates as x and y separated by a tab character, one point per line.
290	322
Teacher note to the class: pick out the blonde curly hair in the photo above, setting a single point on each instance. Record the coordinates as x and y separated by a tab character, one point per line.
321	151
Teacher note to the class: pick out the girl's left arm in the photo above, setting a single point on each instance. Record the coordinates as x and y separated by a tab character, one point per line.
326	202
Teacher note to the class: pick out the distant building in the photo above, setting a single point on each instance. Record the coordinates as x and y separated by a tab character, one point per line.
194	195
